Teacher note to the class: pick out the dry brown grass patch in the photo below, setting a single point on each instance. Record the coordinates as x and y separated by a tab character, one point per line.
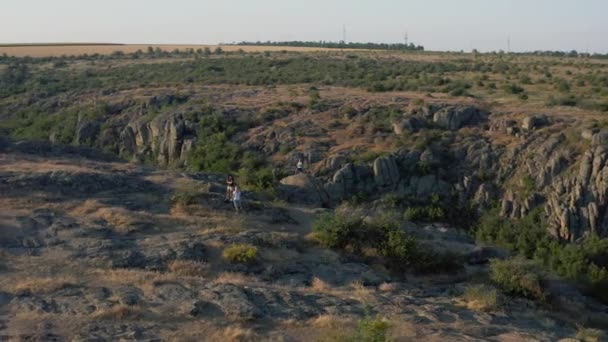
388	287
482	298
45	285
330	321
234	279
361	292
195	331
139	278
188	268
320	285
118	312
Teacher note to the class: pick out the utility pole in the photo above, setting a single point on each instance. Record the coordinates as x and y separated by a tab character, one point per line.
344	33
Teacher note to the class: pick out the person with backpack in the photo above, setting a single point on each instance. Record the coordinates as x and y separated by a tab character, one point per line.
236	198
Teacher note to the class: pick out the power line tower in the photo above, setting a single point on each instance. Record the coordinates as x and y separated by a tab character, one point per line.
509	44
406	39
344	33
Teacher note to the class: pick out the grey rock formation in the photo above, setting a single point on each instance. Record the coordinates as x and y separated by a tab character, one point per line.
86	130
386	172
168	138
456	117
409	124
532	122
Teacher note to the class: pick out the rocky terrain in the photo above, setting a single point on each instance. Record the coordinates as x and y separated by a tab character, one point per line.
440	200
98	249
458	151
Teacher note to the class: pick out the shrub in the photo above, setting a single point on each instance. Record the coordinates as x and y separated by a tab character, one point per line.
514	89
336	230
384	236
568	100
424	213
370	330
241	253
584	262
398	246
481	297
518	276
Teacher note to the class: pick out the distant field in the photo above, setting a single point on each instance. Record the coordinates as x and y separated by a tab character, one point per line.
48	50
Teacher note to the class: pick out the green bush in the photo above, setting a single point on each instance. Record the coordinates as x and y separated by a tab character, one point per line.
336	230
370	329
514	89
383	235
518	276
424	213
585	262
241	253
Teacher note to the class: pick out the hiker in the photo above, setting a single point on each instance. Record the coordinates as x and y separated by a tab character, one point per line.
300	166
236	198
229	188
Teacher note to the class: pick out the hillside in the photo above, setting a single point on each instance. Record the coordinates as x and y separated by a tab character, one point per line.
447	196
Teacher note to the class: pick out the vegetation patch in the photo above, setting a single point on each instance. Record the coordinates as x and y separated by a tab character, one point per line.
482	297
385	238
241	253
585	262
519	277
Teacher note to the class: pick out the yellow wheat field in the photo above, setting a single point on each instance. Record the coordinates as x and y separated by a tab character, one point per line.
59	50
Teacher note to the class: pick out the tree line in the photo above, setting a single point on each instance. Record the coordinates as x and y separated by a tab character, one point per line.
340	45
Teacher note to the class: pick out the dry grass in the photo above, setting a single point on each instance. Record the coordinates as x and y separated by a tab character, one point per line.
482	298
122	220
388	287
319	285
58	50
118	312
145	280
361	292
234	279
330	321
196	331
45	285
590	335
188	268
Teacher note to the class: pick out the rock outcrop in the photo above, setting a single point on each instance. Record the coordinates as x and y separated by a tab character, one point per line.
168	138
455	117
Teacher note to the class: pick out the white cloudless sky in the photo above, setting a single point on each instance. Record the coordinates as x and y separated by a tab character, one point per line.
437	24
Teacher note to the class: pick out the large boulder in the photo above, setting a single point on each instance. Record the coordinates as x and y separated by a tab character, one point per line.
86	130
350	180
600	139
410	124
533	122
303	188
456	117
386	172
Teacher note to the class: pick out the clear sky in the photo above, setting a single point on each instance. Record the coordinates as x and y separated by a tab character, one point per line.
436	24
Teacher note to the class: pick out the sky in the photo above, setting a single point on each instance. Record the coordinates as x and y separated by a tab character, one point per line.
485	25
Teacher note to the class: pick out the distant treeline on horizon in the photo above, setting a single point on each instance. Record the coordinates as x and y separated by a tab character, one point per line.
340	45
